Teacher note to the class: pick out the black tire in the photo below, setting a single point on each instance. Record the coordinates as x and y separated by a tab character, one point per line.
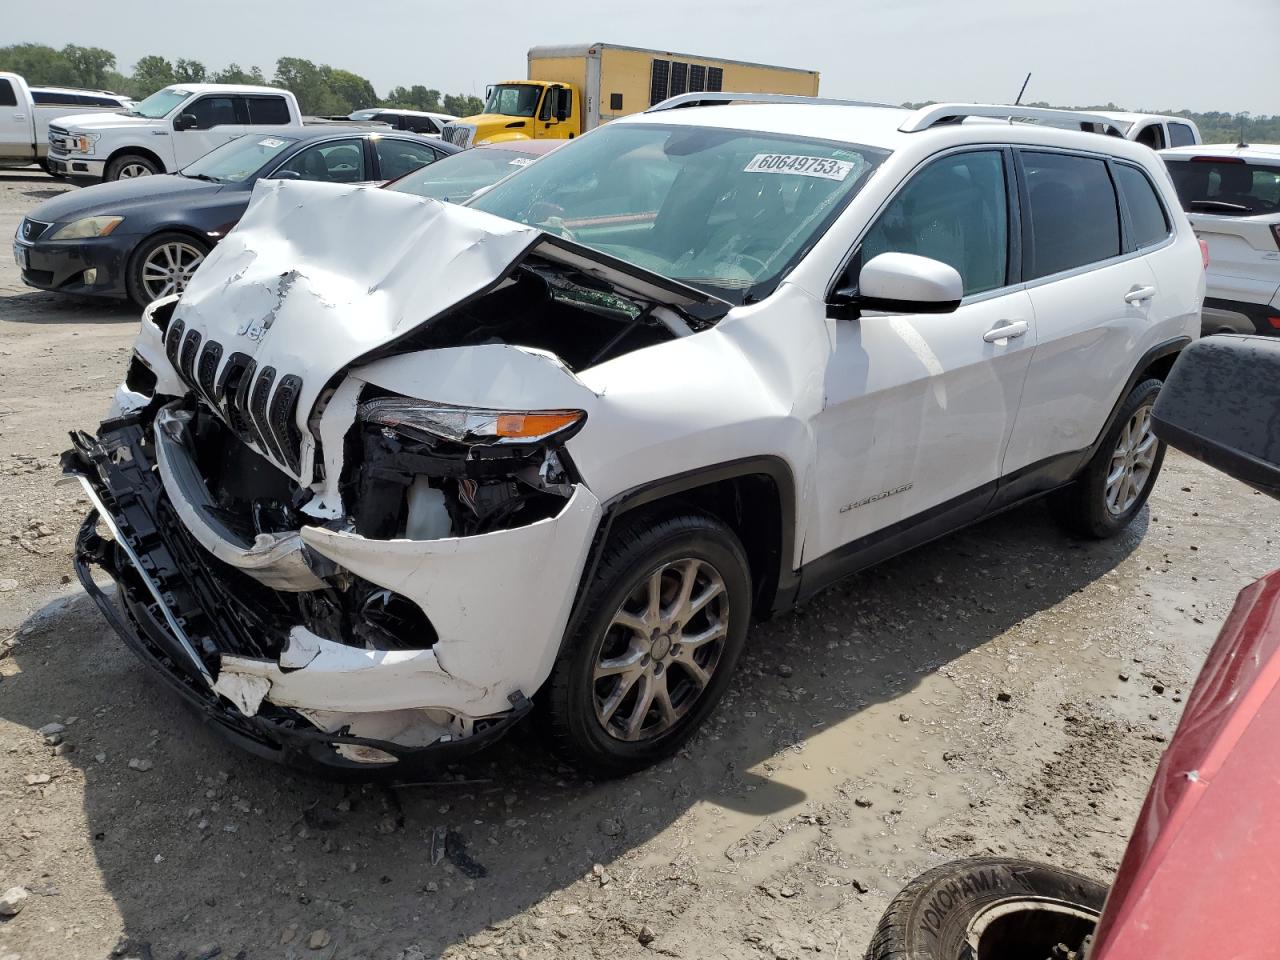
1082	507
47	167
137	290
636	550
929	918
127	160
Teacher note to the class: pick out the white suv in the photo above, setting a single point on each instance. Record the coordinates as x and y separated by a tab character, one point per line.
1232	197
394	472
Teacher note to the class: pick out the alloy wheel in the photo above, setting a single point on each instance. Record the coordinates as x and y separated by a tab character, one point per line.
168	268
131	170
1131	462
660	650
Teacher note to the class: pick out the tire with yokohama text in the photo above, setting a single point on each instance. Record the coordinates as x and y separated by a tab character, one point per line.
931	917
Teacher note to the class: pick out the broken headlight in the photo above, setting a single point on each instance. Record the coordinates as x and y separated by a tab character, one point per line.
470	424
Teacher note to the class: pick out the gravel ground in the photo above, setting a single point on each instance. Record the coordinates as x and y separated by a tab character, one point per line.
1005	690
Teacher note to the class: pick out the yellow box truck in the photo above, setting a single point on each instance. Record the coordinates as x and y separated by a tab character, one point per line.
572	89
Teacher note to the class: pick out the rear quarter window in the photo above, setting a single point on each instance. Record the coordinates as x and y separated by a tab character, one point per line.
1148	223
1074	216
7	97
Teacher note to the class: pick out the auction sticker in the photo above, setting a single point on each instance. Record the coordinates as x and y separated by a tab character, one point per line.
521	161
271	143
799	165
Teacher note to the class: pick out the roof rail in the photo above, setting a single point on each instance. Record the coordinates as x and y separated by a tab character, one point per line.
719	99
940	113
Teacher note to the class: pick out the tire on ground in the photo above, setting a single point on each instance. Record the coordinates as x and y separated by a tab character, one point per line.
116	166
1081	507
930	916
566	705
133	274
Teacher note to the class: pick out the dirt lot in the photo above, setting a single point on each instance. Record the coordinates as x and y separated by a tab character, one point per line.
1004	690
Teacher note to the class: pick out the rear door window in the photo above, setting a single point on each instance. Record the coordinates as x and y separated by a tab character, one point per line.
7	97
1226	186
1152	135
268	111
955	211
1181	135
422	125
1073	216
1148	223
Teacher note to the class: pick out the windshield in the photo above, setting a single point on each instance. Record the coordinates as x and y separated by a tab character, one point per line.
1227	186
457	177
238	160
727	210
362	115
159	103
513	100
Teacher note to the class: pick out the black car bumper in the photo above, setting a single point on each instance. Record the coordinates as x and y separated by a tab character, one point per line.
163	591
61	265
1239	316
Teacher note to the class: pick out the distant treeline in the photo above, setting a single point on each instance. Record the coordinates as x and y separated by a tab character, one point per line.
1216	126
321	90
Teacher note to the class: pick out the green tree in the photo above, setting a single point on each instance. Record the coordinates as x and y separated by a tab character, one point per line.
37	63
189	71
354	90
150	74
462	105
416	97
233	73
91	65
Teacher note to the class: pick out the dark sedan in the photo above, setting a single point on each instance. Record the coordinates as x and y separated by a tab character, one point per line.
144	238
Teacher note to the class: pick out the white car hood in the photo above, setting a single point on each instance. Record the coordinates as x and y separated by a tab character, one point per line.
317	278
90	122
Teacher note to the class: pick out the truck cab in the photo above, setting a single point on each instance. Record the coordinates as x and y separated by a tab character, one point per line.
521	110
167	130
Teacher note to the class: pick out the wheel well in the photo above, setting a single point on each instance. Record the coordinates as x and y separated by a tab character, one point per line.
1160	367
751	506
136	151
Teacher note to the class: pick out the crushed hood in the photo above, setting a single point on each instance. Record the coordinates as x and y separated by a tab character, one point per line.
318	277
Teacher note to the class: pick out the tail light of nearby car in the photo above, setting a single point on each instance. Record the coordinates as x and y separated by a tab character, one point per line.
1204	253
1275	232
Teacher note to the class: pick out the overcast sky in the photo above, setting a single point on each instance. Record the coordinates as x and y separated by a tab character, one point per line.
1149	54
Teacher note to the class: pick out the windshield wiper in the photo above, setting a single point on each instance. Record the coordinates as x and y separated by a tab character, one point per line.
1221	205
203	176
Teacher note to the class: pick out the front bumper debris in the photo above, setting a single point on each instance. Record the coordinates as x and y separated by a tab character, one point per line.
215	636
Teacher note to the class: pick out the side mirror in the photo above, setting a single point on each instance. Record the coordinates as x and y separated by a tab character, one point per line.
186	121
1221	404
564	103
547	110
903	283
286	175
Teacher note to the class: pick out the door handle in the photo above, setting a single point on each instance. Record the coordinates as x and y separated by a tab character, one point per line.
1138	294
1005	330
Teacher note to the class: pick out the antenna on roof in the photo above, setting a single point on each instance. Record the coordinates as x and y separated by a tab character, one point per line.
1023	90
1243	117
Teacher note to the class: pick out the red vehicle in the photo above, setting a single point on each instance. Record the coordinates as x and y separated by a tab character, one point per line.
1199	877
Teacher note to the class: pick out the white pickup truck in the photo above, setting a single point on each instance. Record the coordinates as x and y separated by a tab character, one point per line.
167	130
26	111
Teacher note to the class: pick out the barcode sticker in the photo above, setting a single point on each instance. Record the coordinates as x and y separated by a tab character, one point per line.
799	165
271	143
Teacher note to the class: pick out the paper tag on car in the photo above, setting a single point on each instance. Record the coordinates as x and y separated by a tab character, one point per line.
271	143
521	161
799	165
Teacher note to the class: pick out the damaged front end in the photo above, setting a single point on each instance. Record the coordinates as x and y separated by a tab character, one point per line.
351	540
